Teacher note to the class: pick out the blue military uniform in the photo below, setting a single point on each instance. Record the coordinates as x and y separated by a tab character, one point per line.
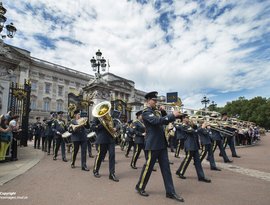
49	134
59	128
217	141
156	149
37	130
129	138
180	137
139	130
206	147
192	151
105	142
78	138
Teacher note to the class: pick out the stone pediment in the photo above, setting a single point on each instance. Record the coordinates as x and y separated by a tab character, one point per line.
13	54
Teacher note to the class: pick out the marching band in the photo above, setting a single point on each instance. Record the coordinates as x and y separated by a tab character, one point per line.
153	132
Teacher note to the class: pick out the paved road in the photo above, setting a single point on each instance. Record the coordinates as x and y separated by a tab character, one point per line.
246	181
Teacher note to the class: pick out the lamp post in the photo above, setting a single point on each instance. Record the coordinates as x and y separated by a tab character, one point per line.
97	63
11	29
213	105
205	101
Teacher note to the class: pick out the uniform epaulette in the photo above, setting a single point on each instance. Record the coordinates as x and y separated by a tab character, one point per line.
145	109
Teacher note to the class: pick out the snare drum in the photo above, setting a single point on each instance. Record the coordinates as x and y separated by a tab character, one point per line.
67	137
92	137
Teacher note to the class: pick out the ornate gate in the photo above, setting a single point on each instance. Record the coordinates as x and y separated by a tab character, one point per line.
19	104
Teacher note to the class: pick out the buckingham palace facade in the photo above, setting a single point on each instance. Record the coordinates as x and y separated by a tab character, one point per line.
51	84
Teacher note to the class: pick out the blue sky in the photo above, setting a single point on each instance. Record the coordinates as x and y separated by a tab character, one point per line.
218	48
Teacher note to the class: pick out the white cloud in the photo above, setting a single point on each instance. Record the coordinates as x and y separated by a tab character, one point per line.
203	55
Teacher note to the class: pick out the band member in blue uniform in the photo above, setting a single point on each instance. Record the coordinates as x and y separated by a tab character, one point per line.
139	130
229	139
156	147
206	145
105	142
59	127
192	151
78	138
180	137
129	138
37	130
218	142
49	132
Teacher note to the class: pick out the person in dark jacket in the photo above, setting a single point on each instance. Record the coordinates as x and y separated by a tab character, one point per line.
192	151
37	130
156	147
180	136
79	139
139	131
105	142
129	138
206	145
59	127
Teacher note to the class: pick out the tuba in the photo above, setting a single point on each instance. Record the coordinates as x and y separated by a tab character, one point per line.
102	112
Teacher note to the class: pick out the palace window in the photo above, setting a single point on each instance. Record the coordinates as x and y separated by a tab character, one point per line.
59	105
46	105
60	90
33	105
47	88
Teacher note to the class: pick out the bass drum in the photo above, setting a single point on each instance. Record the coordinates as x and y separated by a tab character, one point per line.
92	137
67	137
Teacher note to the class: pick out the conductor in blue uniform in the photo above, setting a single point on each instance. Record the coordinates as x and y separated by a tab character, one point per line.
156	147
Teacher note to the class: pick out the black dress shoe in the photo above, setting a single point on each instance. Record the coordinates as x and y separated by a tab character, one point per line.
228	161
154	169
113	177
175	197
85	169
91	156
236	156
141	192
133	167
205	180
96	174
170	162
176	156
180	175
54	158
215	169
72	166
64	159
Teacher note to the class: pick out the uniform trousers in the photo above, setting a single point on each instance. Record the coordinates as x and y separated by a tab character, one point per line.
218	143
59	141
151	157
197	162
207	149
229	140
37	142
76	145
136	154
49	143
130	144
44	144
180	146
101	152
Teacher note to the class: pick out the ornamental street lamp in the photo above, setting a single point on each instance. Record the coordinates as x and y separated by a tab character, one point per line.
97	63
205	101
11	29
212	106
